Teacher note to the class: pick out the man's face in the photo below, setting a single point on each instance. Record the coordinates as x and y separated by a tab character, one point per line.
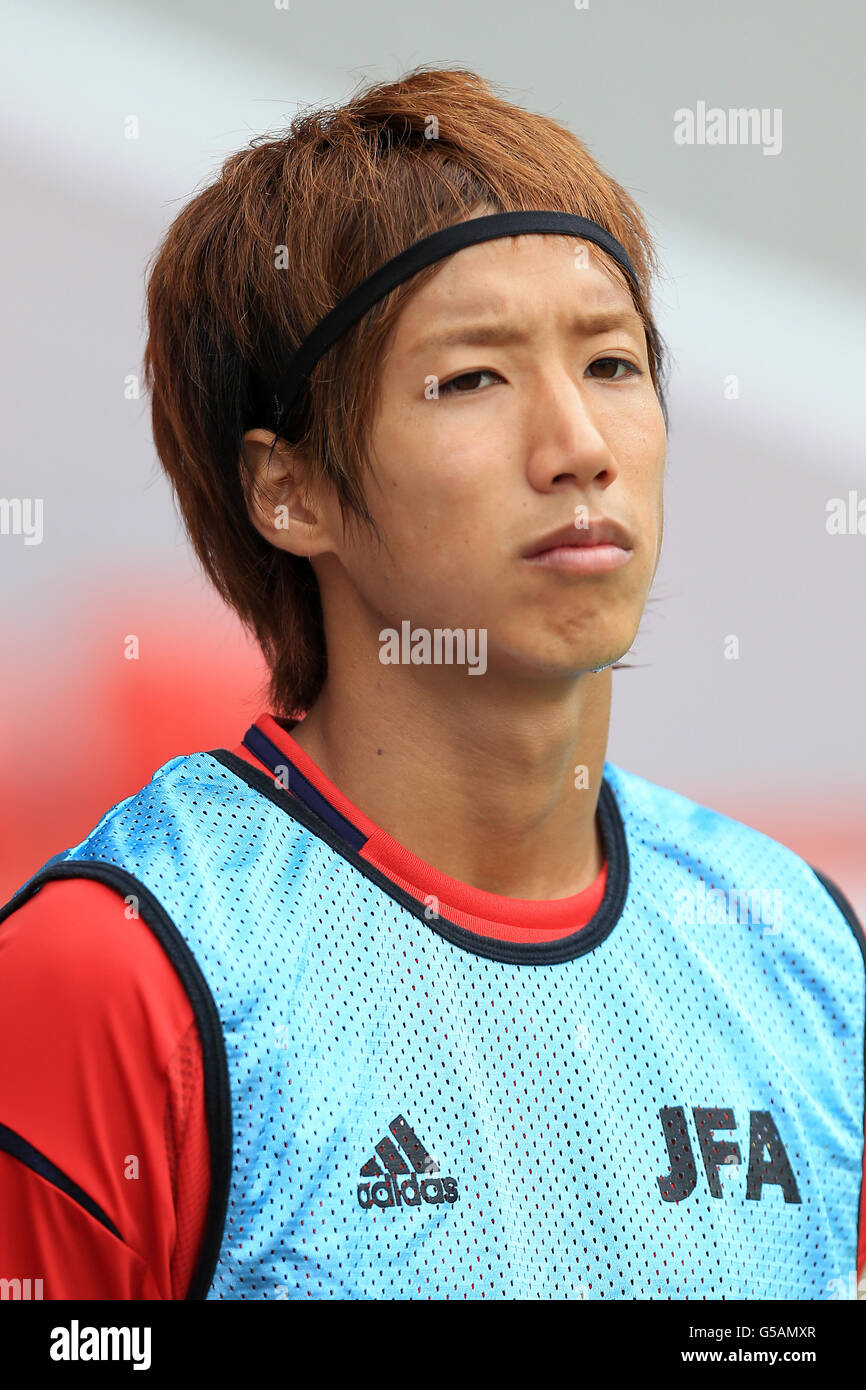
522	438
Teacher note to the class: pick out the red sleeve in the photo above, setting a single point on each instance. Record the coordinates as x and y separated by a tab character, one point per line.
104	1157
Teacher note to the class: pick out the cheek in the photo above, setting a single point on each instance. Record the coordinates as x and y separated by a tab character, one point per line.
432	567
440	515
660	504
659	517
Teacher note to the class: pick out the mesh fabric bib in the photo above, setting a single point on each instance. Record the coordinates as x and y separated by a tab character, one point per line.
666	1104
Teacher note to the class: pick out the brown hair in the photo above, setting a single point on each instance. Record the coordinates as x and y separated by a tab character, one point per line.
343	191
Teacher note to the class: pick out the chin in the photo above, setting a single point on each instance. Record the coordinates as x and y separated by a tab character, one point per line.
599	656
543	666
553	655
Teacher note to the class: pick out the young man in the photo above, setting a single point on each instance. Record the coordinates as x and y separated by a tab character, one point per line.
412	994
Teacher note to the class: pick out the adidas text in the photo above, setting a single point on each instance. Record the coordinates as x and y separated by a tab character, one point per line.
390	1192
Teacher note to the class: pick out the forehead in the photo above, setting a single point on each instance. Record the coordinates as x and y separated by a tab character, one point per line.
516	274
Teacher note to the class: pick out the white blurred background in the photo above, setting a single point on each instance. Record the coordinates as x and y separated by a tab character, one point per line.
764	281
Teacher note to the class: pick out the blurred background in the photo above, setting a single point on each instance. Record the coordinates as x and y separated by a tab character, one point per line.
762	306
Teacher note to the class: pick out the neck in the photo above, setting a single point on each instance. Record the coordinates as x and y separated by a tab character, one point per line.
473	774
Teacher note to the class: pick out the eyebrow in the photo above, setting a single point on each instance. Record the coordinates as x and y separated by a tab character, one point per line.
501	334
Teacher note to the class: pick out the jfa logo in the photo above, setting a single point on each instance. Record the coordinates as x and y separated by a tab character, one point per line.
682	1179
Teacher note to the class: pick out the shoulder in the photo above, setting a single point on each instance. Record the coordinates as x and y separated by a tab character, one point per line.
659	804
185	800
77	950
715	844
104	1079
660	811
845	907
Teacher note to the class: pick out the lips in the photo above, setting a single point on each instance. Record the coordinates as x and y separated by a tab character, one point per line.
600	531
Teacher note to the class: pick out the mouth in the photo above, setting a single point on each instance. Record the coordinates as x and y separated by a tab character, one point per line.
582	559
597	548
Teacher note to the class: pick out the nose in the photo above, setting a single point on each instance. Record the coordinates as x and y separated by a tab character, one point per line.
563	439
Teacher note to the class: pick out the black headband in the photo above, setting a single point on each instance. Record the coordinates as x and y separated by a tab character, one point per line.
431	248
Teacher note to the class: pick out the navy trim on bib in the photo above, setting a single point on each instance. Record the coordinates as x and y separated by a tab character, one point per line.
300	786
214	1062
577	943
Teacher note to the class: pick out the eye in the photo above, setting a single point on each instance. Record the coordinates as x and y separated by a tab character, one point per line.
451	387
616	362
466	382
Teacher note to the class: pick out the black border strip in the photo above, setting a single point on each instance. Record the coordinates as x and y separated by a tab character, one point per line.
856	926
214	1062
15	1144
578	943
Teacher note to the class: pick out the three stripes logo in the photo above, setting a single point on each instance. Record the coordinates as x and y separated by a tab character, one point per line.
391	1188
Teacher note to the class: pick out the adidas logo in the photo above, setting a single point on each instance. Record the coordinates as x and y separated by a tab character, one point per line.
389	1190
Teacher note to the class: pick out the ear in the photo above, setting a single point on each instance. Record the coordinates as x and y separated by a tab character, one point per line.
282	504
